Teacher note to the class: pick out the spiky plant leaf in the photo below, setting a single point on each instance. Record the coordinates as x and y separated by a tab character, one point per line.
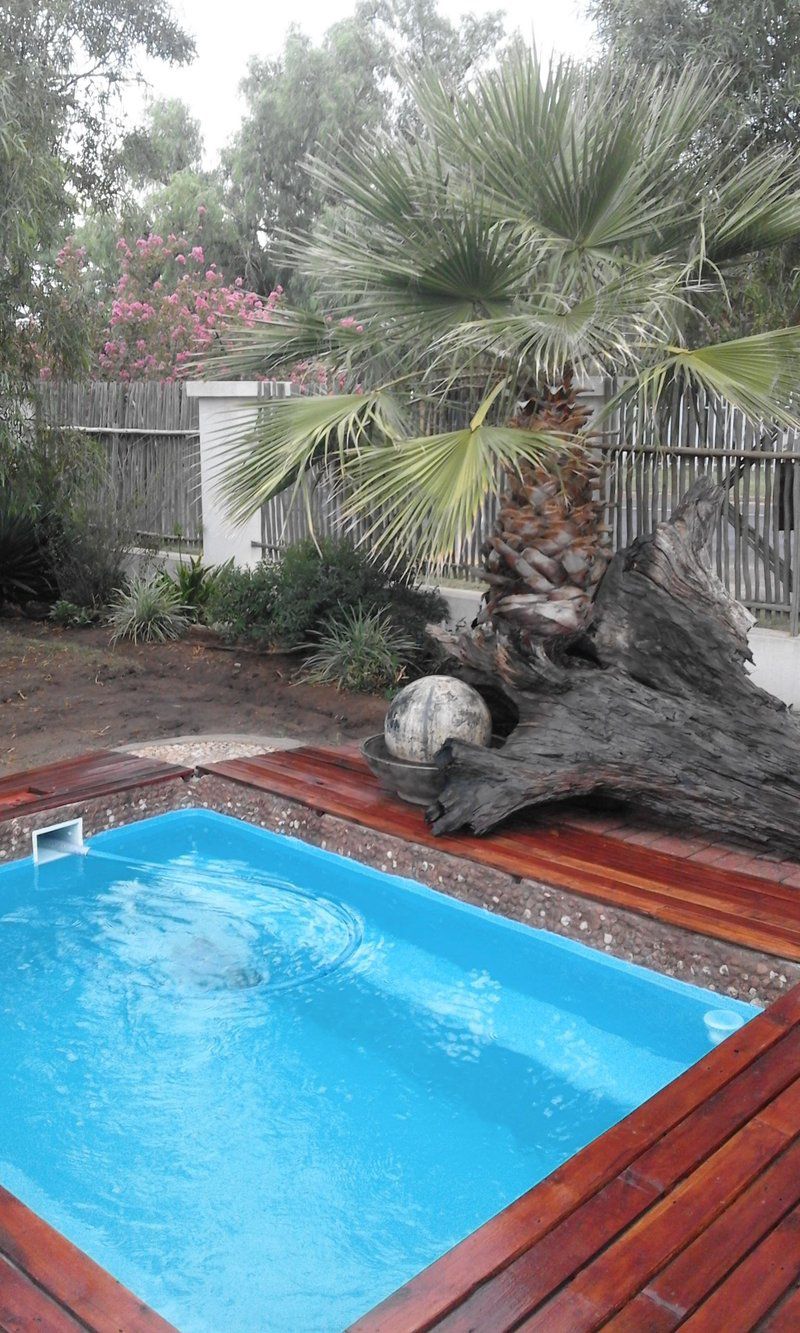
292	435
422	497
758	374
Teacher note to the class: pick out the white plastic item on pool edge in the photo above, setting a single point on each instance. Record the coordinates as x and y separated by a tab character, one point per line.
721	1023
429	711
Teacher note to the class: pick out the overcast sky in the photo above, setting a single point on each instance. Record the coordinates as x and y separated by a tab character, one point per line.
228	33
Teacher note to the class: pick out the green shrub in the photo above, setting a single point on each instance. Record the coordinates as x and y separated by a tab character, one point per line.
61	480
195	584
241	604
360	650
287	604
91	542
24	571
71	616
148	611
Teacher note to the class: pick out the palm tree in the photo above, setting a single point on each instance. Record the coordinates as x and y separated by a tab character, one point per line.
547	224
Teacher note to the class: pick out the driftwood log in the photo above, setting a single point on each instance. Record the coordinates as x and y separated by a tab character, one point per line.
653	705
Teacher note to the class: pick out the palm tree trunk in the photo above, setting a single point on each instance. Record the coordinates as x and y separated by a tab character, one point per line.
548	550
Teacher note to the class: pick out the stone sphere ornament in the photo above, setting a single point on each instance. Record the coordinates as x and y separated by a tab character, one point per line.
430	711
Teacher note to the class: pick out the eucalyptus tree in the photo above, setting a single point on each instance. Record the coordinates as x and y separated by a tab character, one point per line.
312	98
546	224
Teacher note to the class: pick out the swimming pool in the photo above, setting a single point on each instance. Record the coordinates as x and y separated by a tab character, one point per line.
264	1085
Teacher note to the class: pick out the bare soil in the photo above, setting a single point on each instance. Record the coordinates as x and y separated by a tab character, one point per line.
64	692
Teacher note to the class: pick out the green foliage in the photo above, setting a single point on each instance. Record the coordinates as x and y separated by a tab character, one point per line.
361	650
23	563
60	480
91	543
67	63
194	583
169	141
286	604
315	99
752	54
545	218
61	68
753	51
71	616
242	602
147	611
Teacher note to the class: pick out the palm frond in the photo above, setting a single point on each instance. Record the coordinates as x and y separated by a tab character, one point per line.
422	497
758	374
280	342
586	155
604	329
272	453
756	208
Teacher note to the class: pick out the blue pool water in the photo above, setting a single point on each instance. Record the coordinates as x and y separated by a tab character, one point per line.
265	1085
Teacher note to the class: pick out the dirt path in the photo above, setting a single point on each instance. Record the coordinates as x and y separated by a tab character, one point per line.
67	691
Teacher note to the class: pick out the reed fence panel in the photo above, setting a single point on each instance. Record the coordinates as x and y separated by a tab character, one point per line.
755	547
150	439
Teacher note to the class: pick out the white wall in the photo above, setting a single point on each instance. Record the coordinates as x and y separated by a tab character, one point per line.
227	409
777	664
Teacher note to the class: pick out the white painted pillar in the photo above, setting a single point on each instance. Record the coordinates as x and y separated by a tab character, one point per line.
227	408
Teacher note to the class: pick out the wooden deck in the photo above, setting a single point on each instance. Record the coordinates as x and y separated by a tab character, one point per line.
49	1285
684	1215
100	773
740	908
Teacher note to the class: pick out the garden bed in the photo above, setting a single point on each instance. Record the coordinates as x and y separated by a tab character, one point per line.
67	691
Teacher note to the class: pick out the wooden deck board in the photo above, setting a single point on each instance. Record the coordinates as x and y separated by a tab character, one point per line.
741	909
35	1258
100	773
582	1252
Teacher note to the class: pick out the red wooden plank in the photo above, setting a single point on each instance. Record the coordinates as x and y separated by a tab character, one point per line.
722	905
82	778
588	846
616	1275
755	1285
70	1277
613	853
697	1270
24	1308
767	1089
784	1317
537	1274
531	1278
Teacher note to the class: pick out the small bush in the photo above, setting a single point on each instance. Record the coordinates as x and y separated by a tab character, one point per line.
360	650
91	544
149	611
23	561
287	604
241	604
71	616
194	582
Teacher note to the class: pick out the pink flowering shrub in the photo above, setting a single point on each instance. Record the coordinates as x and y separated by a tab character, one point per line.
166	310
319	377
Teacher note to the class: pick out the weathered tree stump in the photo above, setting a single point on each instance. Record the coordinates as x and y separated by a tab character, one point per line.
652	704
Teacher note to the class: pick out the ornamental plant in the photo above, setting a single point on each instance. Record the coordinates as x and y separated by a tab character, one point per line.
167	307
548	223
